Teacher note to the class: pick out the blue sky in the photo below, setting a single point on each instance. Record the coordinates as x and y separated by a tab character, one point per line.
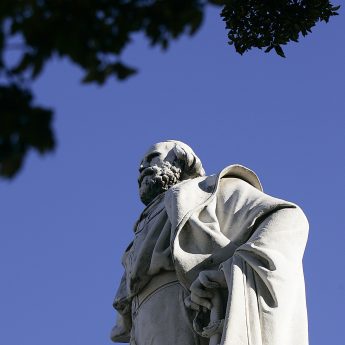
67	218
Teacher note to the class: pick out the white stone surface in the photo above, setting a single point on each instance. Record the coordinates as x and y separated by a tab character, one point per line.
214	260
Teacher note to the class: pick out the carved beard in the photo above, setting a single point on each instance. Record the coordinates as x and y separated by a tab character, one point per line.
155	180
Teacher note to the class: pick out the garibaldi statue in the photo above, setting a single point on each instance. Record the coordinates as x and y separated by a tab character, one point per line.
214	260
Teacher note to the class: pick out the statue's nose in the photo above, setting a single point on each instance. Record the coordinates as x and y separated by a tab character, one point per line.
141	168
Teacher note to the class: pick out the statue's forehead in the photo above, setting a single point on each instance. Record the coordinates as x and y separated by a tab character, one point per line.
163	147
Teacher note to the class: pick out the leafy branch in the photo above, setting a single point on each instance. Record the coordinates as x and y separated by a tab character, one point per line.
93	34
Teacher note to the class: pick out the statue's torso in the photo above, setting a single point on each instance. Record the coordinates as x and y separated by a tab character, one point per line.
158	311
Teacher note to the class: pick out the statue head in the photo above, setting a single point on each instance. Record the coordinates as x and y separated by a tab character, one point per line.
165	164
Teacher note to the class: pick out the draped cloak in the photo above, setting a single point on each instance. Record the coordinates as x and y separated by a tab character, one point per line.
210	216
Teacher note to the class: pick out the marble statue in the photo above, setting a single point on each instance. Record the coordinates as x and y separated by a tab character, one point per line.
214	260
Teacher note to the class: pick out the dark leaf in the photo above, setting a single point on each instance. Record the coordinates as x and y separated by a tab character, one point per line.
279	51
268	49
123	72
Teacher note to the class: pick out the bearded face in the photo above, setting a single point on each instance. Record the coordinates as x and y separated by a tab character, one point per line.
156	179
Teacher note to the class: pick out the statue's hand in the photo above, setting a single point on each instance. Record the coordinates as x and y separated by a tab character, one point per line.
202	289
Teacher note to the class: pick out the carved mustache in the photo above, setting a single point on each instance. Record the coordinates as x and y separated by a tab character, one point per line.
145	172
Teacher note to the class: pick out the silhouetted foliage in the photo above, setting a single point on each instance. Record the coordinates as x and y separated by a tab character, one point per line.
272	23
22	127
93	33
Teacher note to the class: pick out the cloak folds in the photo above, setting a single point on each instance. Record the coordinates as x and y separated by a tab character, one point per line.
226	222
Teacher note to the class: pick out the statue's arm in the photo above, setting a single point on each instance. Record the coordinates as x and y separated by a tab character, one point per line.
278	242
254	209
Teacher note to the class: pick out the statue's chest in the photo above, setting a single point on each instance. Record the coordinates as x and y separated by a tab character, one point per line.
150	238
148	231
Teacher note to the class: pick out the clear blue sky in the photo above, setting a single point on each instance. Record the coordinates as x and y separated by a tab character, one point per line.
67	218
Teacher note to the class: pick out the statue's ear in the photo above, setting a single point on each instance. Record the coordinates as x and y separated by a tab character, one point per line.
189	163
180	153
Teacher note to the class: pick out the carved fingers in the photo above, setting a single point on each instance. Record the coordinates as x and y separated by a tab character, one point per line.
199	295
202	289
212	279
191	305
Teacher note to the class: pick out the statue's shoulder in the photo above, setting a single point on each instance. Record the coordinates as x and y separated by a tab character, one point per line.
239	173
188	195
